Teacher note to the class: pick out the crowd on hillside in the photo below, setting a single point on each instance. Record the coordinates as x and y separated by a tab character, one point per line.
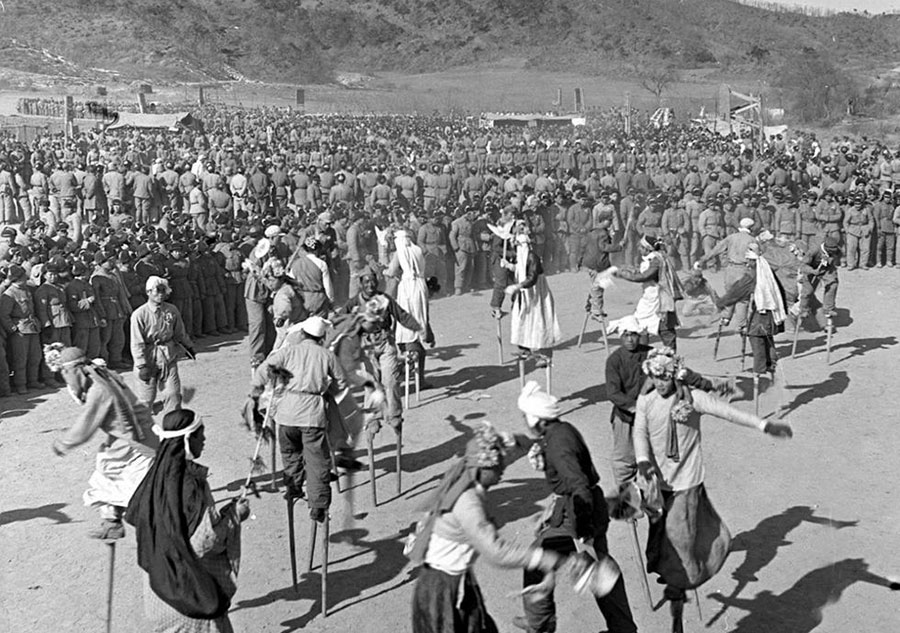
88	221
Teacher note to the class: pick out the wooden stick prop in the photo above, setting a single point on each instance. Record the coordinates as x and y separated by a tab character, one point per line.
829	327
109	591
256	464
636	543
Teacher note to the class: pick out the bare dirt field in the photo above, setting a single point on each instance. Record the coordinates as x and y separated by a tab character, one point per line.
815	519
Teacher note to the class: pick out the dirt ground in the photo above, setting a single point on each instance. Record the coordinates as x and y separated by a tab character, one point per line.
814	519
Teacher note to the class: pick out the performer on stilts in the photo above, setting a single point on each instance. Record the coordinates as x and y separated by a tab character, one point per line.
190	550
687	542
760	288
408	264
313	375
129	446
655	310
534	324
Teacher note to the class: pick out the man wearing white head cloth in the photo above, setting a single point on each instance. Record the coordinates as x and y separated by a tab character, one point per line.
158	340
577	518
734	251
759	287
129	444
408	265
312	375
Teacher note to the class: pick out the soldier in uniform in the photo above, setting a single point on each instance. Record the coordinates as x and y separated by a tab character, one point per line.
50	306
829	215
858	226
433	241
885	245
112	307
462	241
676	230
807	224
81	301
21	328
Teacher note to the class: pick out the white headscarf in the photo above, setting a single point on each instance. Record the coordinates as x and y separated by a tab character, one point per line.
523	245
409	264
766	295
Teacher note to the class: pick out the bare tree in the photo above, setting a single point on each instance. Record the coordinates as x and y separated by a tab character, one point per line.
656	78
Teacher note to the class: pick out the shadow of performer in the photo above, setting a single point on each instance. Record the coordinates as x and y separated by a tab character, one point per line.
799	609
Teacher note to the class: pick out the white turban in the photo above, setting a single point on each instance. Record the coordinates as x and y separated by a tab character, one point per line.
315	326
628	323
538	403
154	282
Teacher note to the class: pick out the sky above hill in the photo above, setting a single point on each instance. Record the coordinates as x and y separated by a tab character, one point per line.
872	6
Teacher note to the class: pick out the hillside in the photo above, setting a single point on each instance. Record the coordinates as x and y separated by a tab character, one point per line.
297	41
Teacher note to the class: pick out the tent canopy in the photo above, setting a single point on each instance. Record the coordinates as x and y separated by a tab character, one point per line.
153	121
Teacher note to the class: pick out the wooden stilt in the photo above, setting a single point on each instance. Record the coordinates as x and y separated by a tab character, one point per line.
313	532
109	585
406	382
756	392
325	534
371	449
796	336
520	361
743	349
697	602
829	325
548	369
500	340
603	326
291	536
587	316
399	456
676	608
418	379
274	453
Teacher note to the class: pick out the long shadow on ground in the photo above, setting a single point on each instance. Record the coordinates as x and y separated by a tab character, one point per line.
836	383
799	609
761	545
343	584
52	511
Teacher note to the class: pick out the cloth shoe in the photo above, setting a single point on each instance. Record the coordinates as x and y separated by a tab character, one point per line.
317	514
109	530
